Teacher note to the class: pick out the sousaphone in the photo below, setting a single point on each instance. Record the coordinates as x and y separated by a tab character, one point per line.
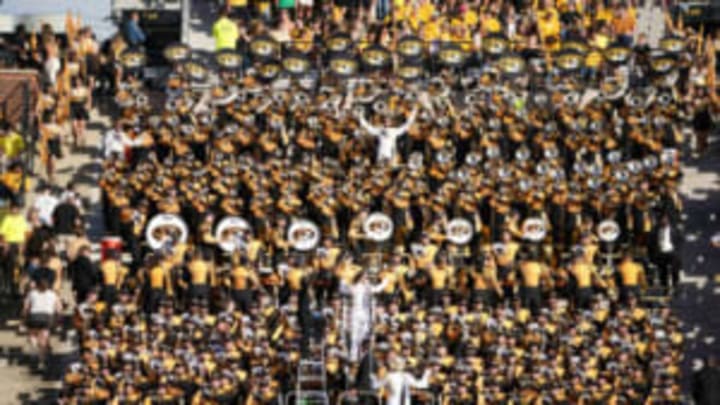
196	70
452	55
410	47
165	231
618	54
378	227
459	231
296	64
495	45
339	43
343	65
133	58
533	229
672	44
228	60
264	48
608	230
176	53
303	235
376	57
231	233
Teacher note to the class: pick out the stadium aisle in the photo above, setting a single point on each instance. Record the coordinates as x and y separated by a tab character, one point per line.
83	168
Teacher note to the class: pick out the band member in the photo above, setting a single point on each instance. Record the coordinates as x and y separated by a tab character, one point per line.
534	273
113	275
361	293
667	244
201	276
631	276
387	137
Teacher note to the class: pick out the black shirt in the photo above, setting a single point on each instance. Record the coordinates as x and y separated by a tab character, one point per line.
65	217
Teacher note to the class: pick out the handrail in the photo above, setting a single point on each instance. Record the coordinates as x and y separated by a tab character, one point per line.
322	397
357	394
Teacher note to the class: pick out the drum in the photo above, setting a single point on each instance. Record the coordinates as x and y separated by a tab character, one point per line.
108	244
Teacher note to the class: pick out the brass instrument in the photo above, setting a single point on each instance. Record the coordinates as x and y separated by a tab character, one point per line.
165	230
230	232
303	235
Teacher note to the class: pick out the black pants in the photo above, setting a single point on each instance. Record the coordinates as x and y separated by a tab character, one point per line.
669	268
626	292
583	296
152	300
243	299
109	294
531	299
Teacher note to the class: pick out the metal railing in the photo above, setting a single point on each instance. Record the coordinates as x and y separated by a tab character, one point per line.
307	398
353	396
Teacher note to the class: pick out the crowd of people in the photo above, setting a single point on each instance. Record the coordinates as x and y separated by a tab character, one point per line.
476	222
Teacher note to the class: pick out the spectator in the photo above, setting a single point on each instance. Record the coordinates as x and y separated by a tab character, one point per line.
225	32
11	183
134	35
45	204
11	143
115	141
706	384
65	219
84	274
41	307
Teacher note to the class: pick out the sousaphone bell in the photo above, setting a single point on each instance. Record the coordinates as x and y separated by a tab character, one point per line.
231	233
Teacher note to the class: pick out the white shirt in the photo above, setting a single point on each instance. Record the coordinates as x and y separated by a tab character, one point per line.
398	381
52	67
388	137
45	205
114	142
665	241
45	302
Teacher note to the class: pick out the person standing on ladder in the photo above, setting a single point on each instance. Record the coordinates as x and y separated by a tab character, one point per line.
361	306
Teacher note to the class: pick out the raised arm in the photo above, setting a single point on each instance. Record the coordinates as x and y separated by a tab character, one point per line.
378	288
402	129
372	130
421	383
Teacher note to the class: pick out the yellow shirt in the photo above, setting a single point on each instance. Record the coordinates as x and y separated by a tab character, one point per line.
226	34
430	32
471	18
13	228
548	23
237	3
425	12
491	25
12	144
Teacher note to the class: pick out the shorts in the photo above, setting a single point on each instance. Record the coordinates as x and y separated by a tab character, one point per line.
39	321
54	149
79	112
